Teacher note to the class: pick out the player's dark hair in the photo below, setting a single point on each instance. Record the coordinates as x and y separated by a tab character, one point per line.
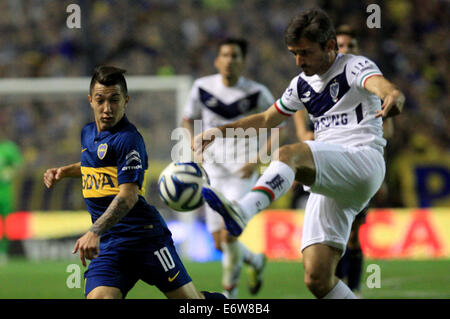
313	24
109	75
241	43
345	29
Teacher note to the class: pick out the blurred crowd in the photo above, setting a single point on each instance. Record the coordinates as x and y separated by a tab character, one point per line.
171	37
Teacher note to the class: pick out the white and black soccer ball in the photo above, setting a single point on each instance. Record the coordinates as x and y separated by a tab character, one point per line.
180	186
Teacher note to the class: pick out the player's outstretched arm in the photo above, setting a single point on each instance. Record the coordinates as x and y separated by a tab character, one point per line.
393	98
53	175
88	244
267	119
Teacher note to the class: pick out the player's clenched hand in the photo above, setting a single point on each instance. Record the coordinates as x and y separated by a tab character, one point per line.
201	141
52	175
88	245
248	169
392	104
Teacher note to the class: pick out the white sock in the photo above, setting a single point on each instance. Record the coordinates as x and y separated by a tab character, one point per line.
340	291
248	256
232	259
274	183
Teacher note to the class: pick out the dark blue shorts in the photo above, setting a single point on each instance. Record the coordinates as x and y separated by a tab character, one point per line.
361	217
152	260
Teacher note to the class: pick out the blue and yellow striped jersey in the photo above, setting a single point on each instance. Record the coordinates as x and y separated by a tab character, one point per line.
108	159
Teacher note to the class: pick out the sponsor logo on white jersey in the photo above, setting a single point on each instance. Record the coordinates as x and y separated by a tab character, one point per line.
306	97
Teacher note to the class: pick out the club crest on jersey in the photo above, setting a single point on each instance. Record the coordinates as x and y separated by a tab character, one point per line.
101	150
334	91
212	102
244	105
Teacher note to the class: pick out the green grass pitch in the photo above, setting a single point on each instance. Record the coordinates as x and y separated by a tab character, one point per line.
20	279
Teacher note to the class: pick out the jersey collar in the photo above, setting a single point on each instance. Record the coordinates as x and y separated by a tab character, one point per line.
123	122
327	72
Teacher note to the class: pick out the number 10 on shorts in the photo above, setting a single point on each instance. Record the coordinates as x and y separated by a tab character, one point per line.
165	258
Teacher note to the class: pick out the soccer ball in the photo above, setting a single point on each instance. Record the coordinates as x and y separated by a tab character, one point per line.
180	186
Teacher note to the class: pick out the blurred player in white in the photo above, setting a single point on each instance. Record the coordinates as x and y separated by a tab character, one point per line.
342	168
350	265
220	99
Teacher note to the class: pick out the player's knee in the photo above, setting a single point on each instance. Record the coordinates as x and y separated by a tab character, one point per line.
318	280
230	238
99	296
217	237
218	244
318	284
284	154
100	293
299	158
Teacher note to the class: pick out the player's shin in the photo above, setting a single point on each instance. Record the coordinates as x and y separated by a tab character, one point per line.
248	257
232	260
274	183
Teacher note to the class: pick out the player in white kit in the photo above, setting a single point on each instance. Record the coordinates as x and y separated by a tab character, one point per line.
342	168
220	99
350	265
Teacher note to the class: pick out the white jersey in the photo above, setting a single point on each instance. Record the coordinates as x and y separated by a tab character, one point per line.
342	111
216	105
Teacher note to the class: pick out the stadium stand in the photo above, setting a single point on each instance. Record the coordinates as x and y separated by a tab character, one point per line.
171	37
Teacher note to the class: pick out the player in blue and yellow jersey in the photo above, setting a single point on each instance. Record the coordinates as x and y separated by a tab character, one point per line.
129	240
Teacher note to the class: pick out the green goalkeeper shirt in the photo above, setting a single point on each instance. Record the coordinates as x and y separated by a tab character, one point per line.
10	160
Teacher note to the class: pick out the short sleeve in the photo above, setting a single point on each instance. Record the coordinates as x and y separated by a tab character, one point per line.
193	108
131	158
289	103
359	69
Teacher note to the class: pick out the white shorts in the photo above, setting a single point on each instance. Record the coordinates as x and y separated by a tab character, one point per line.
346	179
233	188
